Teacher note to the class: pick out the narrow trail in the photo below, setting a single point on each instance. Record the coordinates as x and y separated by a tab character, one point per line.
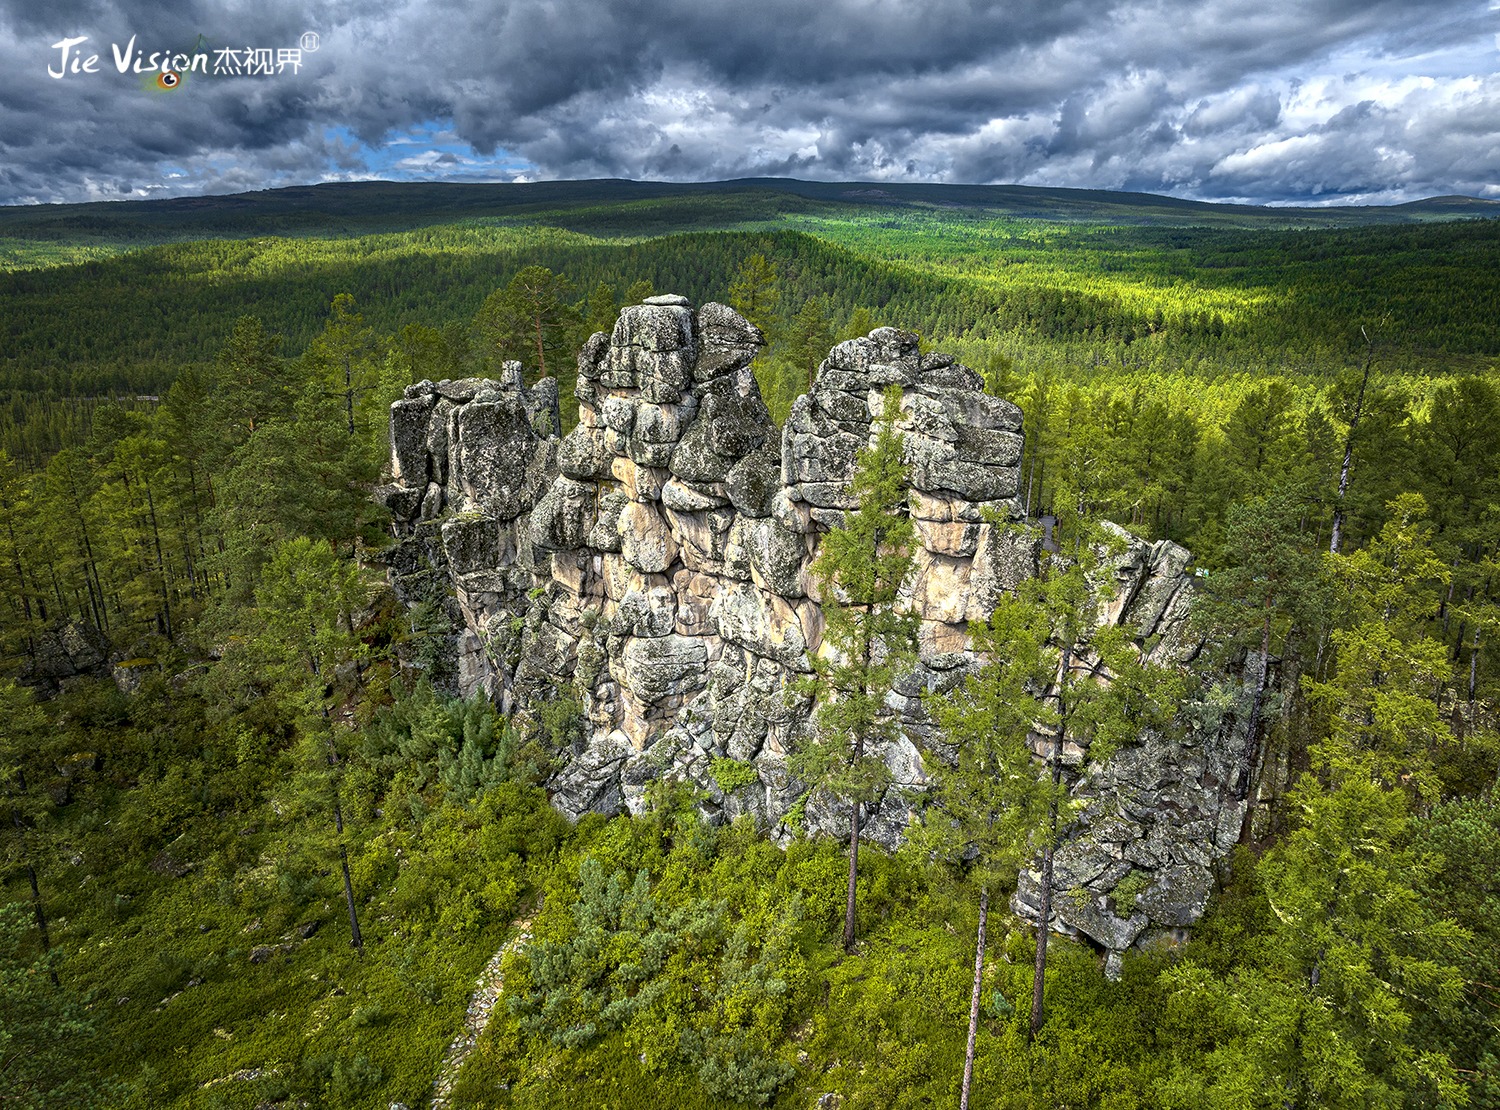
487	991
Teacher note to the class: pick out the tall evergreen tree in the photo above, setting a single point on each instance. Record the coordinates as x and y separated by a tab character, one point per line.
1271	585
860	569
529	319
755	291
991	808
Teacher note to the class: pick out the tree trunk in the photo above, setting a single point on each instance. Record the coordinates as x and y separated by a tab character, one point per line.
984	909
349	391
853	876
161	563
356	939
1252	731
39	915
1474	666
1039	975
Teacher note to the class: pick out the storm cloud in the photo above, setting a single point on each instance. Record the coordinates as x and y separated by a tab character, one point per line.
1259	100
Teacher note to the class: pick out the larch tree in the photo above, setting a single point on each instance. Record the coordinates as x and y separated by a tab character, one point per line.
811	337
860	569
530	318
1322	1015
990	806
1051	672
300	638
755	291
1272	583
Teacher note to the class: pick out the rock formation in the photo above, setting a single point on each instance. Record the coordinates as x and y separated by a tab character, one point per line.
653	566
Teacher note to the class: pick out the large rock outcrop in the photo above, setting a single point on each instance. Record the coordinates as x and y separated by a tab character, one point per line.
653	565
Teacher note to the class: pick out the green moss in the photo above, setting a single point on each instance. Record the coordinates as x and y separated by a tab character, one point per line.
1127	890
731	774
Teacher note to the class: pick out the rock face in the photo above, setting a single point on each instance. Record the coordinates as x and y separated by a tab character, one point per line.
64	651
653	566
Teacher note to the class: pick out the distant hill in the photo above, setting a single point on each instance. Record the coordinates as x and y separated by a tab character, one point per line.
356	208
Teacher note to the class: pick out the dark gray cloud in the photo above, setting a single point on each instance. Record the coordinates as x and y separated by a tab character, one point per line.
1247	99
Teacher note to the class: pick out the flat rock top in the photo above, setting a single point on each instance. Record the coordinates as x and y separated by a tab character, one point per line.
668	299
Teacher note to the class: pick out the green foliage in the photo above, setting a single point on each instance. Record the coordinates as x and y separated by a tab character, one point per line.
861	566
1323	1015
992	804
732	774
754	292
463	746
214	522
697	971
44	1029
1127	890
530	319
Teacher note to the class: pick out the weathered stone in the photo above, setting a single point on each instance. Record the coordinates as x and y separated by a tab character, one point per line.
584	454
645	540
493	452
652	612
776	559
654	327
605	535
472	543
656	563
404	503
751	484
702	537
409	461
562	519
591	783
729	342
660	666
685	498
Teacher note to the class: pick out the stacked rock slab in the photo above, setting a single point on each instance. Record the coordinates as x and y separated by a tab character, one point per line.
470	459
654	566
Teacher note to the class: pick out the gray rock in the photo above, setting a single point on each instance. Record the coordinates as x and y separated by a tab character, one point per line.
584	455
591	782
654	564
661	666
493	453
752	483
409	460
562	519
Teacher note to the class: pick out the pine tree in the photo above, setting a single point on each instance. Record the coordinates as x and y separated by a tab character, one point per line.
300	638
810	338
1272	584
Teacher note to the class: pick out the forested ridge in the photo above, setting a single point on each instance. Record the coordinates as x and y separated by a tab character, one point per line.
254	857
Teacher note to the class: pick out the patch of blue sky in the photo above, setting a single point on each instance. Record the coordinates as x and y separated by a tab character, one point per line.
432	151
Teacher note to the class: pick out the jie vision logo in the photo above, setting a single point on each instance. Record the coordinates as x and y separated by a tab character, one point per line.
168	69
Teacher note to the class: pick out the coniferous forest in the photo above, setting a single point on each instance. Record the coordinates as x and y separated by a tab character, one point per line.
255	853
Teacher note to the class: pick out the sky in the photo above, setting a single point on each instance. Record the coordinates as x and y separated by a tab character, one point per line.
1261	101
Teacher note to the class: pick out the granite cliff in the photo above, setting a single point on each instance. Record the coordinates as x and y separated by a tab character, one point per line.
652	566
